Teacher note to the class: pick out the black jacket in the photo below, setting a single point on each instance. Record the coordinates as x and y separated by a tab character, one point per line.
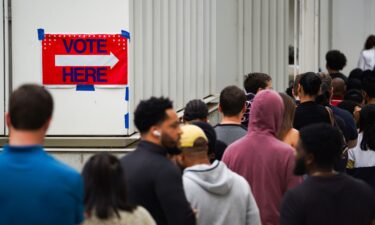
155	183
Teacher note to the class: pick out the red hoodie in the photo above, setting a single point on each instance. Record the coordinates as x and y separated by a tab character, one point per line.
263	160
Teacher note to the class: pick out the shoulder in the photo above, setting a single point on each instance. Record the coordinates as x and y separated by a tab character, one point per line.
61	168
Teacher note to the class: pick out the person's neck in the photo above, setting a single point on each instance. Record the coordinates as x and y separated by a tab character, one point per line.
371	101
332	71
307	98
26	138
151	139
322	172
231	120
199	161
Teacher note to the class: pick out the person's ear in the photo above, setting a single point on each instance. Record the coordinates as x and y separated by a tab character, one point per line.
47	124
244	108
7	120
220	109
299	89
309	159
155	131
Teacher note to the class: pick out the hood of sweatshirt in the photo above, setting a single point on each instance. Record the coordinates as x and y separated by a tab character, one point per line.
215	178
266	113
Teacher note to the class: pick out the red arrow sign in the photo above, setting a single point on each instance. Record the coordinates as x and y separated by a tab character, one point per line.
85	59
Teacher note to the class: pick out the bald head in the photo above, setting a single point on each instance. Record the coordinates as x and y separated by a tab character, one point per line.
339	87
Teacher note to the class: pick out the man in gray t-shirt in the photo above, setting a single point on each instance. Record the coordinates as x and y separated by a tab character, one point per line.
232	106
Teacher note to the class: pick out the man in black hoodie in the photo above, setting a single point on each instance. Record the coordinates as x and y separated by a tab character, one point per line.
154	182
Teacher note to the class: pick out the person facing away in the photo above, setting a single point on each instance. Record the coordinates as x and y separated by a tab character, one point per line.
361	158
105	194
326	197
35	188
343	119
154	182
232	106
195	110
253	83
335	62
308	111
219	195
339	90
263	160
287	133
369	86
367	58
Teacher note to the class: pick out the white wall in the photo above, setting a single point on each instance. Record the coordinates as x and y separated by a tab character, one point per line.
2	78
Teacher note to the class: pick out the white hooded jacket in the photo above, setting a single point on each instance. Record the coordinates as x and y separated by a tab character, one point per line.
220	196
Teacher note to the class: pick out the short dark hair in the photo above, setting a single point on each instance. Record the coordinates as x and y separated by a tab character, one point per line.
356	73
151	112
336	60
348	106
195	109
354	83
367	127
254	81
105	186
368	83
232	100
370	42
324	142
310	82
354	95
30	107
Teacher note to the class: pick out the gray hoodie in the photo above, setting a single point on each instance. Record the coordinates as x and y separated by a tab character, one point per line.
220	196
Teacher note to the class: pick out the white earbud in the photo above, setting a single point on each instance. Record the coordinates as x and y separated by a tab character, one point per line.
156	133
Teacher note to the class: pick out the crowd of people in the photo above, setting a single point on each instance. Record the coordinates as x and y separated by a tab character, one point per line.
306	156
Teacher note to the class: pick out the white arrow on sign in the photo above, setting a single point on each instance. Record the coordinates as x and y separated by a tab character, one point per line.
86	60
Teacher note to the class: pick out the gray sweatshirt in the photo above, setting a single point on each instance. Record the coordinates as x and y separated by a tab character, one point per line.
220	196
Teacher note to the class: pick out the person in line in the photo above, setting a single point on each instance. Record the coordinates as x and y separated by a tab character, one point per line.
308	111
106	200
335	62
232	106
287	133
353	108
367	58
262	159
209	186
195	110
361	158
154	182
35	188
339	90
369	86
216	147
356	96
326	197
342	118
253	83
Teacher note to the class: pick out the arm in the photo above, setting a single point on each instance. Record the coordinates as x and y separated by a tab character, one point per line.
169	190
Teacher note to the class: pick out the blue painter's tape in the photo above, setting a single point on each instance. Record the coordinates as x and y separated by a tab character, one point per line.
40	34
127	94
127	121
84	87
125	34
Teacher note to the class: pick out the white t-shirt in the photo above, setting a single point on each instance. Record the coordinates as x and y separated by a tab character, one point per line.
367	59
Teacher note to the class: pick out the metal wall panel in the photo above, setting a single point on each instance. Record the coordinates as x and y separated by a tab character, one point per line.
265	42
173	55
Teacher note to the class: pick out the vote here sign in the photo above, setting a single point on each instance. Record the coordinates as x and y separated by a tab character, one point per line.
85	59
